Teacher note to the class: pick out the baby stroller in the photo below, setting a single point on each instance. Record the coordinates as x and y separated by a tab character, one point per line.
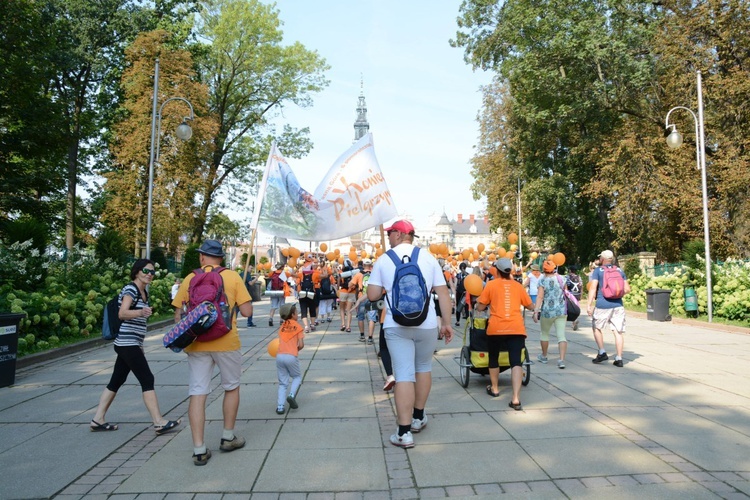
474	358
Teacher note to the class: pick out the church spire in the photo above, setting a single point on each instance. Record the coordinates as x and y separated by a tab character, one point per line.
361	126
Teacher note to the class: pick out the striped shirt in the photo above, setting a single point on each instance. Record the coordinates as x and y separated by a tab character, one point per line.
132	331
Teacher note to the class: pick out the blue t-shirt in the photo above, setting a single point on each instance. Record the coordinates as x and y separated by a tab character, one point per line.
553	304
601	301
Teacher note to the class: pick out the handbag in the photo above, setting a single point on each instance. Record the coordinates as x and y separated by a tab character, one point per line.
572	307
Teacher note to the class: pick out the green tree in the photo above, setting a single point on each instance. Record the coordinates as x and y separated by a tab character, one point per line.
175	180
251	77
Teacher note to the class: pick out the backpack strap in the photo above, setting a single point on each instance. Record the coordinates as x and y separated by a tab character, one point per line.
394	257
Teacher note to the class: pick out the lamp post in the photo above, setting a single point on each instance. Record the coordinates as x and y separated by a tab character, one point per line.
183	132
674	140
518	213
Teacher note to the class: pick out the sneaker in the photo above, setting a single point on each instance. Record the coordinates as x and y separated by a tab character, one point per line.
292	402
279	410
542	359
232	444
362	338
575	325
561	364
251	325
417	424
405	441
270	322
458	324
369	340
202	459
328	320
618	363
600	357
312	328
389	383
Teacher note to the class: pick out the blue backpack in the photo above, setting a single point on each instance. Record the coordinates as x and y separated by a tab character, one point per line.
410	299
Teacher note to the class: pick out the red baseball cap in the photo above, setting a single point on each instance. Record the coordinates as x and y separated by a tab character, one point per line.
402	226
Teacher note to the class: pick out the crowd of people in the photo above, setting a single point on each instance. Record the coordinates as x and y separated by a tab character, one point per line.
366	290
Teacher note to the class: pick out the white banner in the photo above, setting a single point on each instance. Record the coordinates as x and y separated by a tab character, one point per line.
352	197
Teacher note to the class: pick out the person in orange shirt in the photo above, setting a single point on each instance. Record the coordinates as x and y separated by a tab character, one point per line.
308	284
291	341
505	329
326	294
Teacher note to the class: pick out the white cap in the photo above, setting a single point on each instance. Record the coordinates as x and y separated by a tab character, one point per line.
607	254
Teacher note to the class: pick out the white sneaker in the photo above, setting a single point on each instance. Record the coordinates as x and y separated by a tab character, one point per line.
560	364
405	441
542	359
417	424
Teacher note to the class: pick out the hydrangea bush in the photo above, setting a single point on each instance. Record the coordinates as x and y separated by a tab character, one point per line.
731	289
69	303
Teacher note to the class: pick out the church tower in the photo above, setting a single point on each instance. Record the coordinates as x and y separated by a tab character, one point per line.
361	126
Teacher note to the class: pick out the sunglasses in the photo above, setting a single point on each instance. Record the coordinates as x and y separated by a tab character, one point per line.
391	232
146	270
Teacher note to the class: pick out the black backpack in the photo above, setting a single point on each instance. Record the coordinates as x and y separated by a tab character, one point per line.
460	283
307	284
326	290
111	320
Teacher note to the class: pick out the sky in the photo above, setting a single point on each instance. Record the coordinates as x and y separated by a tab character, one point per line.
422	98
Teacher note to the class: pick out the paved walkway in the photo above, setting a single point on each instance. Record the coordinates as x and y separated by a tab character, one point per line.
673	423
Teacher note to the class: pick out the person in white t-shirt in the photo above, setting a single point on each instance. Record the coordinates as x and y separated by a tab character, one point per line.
411	348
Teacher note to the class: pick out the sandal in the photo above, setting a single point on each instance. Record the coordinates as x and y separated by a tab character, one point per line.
515	406
106	426
348	330
163	429
343	328
493	394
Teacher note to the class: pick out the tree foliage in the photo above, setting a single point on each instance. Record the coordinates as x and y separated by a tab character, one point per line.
577	110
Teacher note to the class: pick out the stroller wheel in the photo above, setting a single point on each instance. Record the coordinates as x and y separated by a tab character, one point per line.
464	366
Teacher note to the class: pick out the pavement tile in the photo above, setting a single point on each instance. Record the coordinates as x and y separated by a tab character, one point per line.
622	480
404	493
649	478
595	482
675	477
459	491
433	493
488	489
516	488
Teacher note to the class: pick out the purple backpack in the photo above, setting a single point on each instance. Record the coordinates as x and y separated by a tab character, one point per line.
209	287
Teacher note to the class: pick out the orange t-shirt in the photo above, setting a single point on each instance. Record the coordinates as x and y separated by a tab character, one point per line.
289	334
356	283
505	298
315	279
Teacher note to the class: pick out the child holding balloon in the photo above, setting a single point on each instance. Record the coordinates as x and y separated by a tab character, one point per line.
290	342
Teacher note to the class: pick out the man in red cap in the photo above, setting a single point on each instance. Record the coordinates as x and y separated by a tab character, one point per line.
411	347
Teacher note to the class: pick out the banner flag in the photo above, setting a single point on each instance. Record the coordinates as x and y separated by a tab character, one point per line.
352	197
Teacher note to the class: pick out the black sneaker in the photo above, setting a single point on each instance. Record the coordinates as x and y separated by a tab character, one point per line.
600	357
270	322
458	324
618	363
362	338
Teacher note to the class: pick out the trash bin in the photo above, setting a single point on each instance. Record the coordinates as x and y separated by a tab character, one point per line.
255	292
691	300
9	326
657	304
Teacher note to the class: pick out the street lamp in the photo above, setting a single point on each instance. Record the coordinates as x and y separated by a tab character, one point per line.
674	140
183	132
518	213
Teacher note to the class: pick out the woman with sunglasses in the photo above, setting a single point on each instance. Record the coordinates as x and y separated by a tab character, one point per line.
134	311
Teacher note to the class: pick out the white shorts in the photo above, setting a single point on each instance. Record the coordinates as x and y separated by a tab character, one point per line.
201	370
411	351
615	317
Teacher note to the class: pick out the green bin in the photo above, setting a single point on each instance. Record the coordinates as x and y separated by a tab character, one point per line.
691	300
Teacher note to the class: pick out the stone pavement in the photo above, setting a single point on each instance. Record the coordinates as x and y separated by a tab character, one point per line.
673	423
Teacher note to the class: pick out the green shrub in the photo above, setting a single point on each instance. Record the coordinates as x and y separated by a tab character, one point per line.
191	260
18	231
110	245
158	256
694	254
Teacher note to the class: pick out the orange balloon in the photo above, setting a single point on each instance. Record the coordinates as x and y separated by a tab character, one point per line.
558	259
337	251
513	248
323	247
501	252
492	246
273	347
291	262
549	257
352	249
466	254
473	284
353	257
363	254
480	248
512	238
492	257
533	255
294	252
341	260
330	256
379	251
475	256
377	245
443	249
285	252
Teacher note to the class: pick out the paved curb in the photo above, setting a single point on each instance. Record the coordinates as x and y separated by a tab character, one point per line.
61	352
